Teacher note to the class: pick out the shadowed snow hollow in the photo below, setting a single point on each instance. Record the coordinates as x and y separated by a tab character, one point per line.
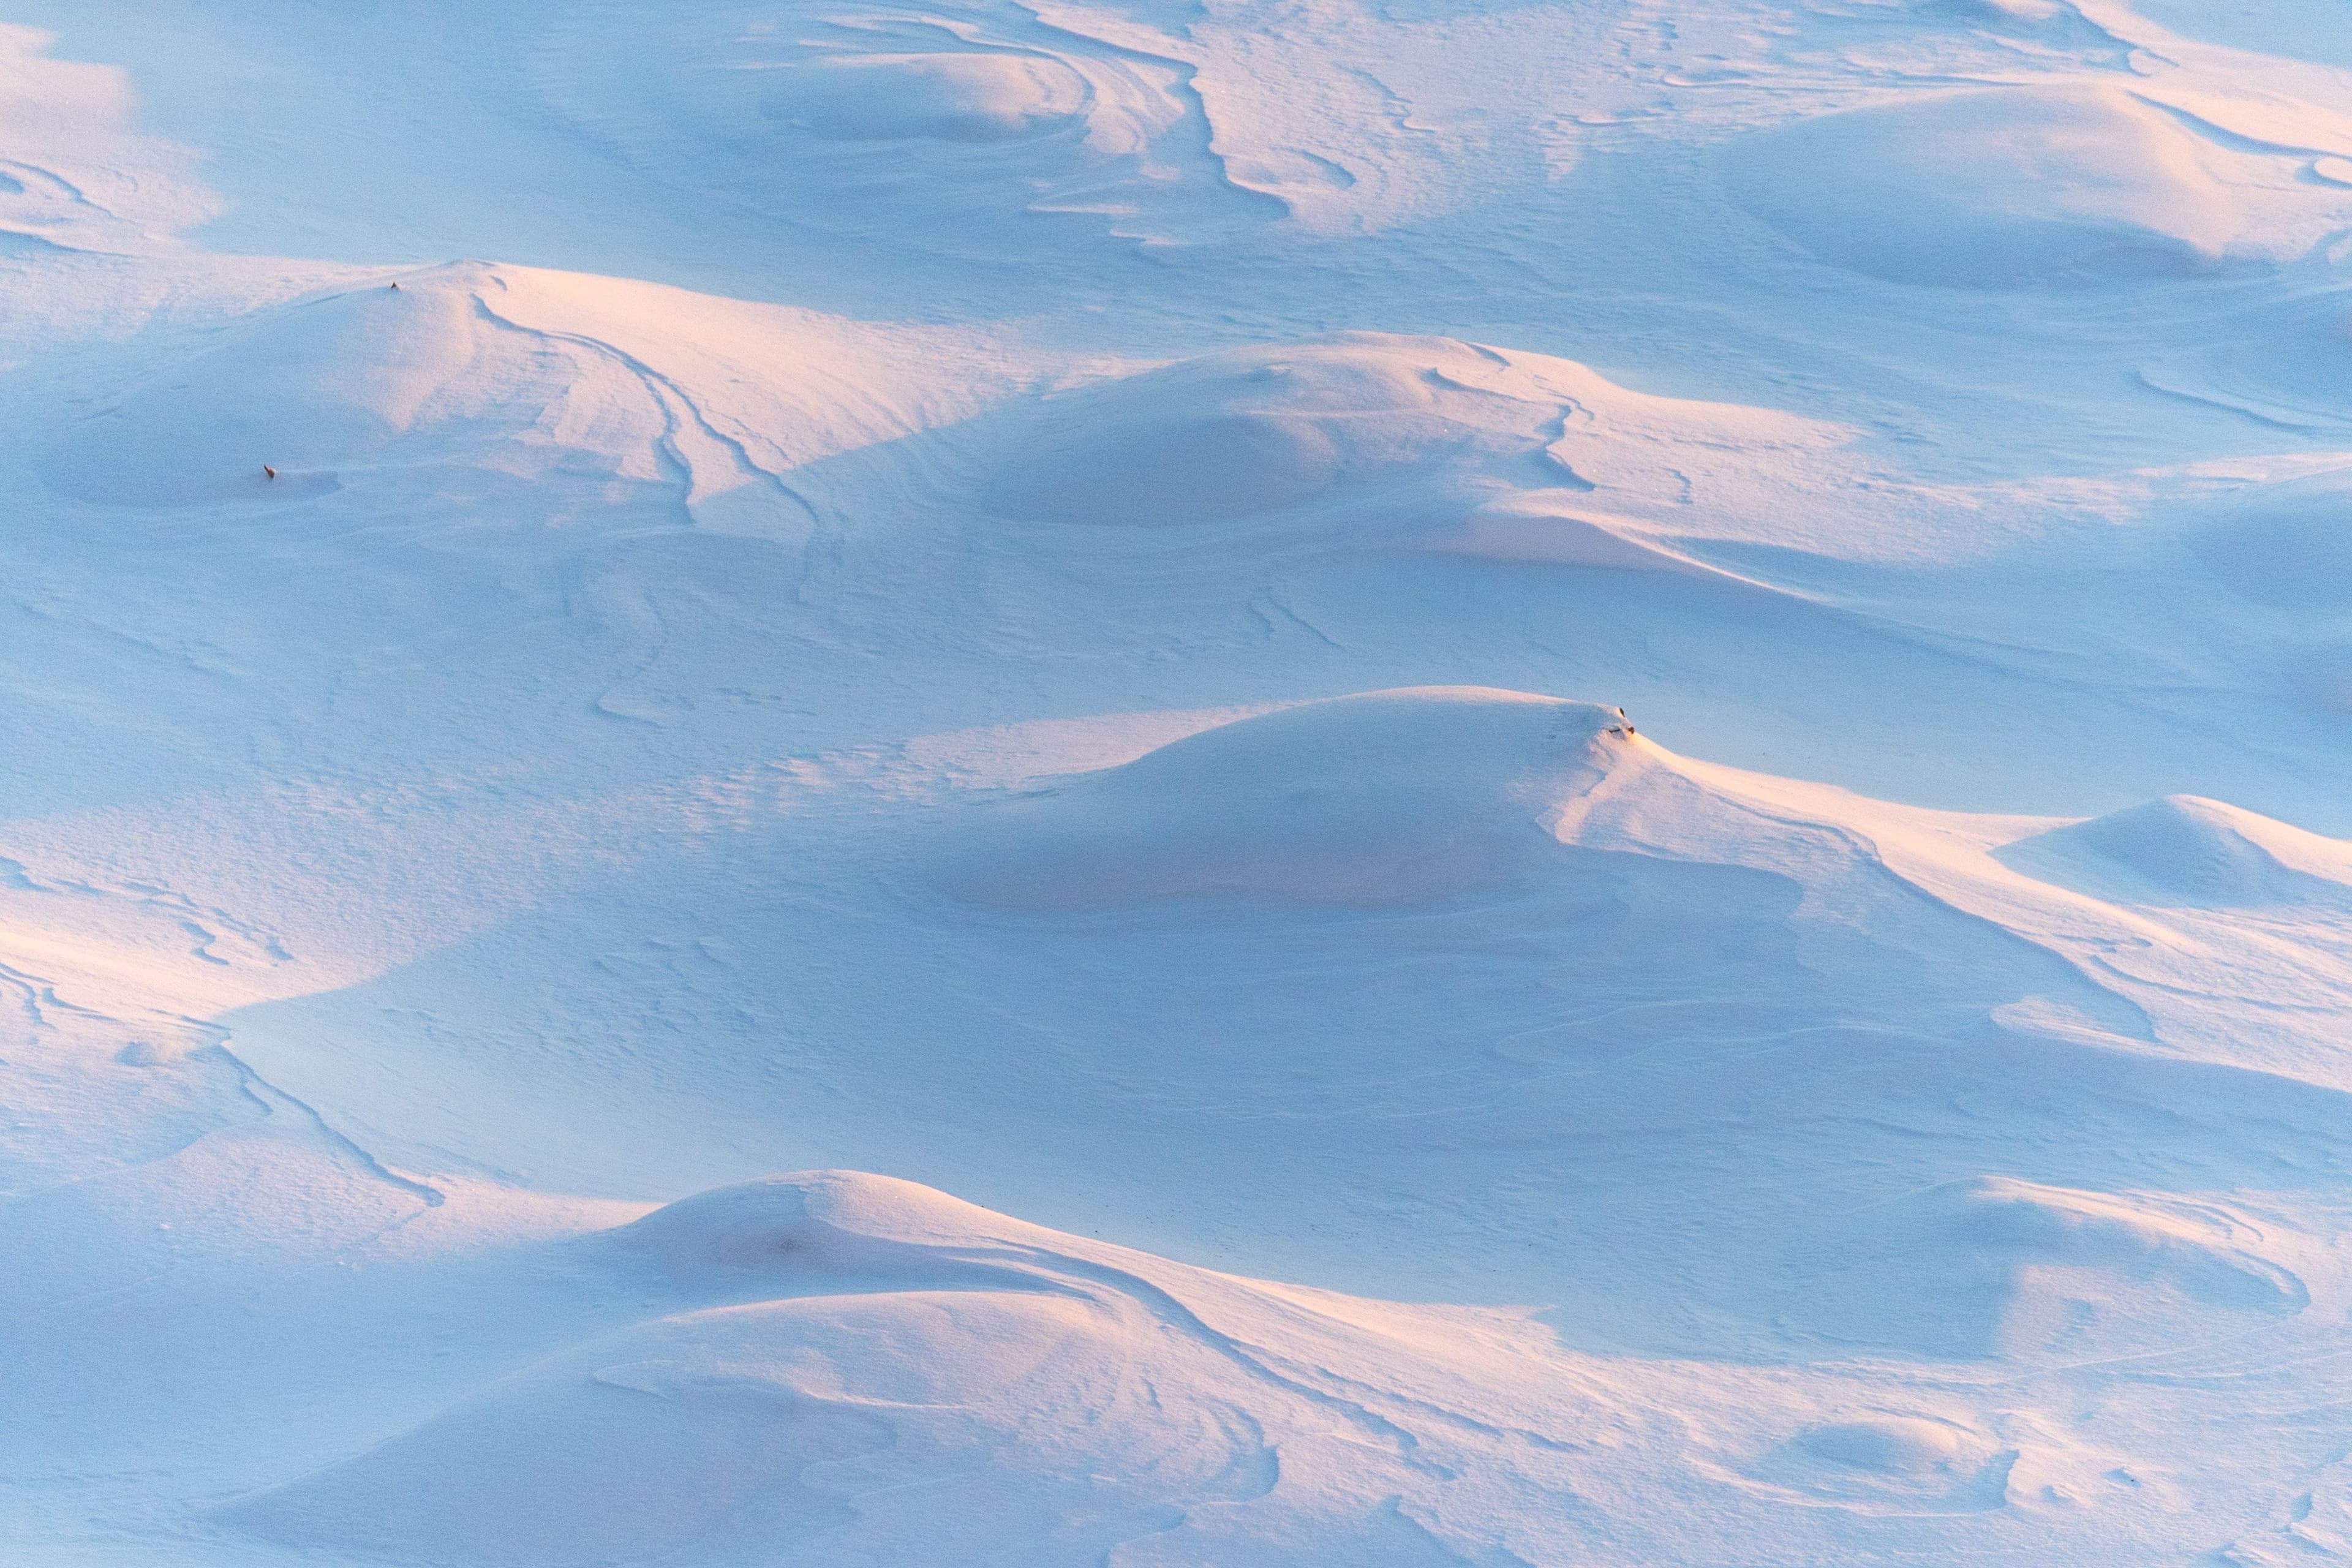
1390	797
2288	546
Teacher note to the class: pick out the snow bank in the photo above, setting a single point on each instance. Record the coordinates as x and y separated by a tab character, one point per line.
909	1370
78	173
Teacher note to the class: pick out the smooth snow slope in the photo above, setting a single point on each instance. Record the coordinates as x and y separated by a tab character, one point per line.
1021	608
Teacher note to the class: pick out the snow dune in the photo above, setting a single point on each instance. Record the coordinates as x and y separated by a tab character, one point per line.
76	173
435	367
1856	988
1021	609
862	1366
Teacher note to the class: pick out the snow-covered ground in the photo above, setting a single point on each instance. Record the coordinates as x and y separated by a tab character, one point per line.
1494	781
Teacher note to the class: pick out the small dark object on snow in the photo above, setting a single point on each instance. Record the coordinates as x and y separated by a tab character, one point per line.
395	288
267	470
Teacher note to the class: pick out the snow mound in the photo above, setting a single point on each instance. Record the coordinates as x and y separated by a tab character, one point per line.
420	373
1893	1446
970	132
611	388
1994	1264
1996	188
1424	442
1903	1461
1236	434
950	98
822	1222
1067	1410
1388	797
2012	1224
2187	849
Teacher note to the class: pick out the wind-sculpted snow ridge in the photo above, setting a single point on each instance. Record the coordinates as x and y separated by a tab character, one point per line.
966	126
1313	456
851	1368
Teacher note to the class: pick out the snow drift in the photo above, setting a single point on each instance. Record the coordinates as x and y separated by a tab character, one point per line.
1384	798
2186	849
391	376
834	669
1998	188
900	1369
1363	439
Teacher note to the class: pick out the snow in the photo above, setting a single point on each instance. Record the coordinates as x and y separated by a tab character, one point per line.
1388	797
2001	187
1503	782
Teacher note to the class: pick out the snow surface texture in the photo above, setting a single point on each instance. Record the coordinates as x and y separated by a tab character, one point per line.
1020	606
